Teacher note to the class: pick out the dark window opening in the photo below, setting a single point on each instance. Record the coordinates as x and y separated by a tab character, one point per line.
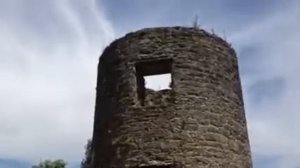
154	75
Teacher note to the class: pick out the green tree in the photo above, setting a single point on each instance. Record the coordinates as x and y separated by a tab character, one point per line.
51	164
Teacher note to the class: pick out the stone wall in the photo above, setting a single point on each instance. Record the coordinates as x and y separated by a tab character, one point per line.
199	122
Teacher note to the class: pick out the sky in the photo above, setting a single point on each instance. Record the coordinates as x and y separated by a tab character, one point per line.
49	52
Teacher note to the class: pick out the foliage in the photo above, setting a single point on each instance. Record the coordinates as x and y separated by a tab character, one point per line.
86	162
51	164
195	23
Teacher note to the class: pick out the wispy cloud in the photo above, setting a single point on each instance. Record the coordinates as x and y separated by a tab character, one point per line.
49	55
273	123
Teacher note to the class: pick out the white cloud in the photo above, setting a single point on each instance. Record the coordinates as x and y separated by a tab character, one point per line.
273	125
47	81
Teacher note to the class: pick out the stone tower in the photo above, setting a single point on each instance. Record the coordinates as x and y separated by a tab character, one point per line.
198	123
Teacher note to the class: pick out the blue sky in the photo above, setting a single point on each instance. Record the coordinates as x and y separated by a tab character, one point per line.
49	53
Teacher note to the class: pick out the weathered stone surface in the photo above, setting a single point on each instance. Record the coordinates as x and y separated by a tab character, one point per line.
199	122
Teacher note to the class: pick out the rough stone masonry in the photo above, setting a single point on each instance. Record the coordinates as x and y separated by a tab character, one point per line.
198	123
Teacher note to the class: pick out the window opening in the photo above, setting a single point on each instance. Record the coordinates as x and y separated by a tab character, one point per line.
154	75
158	82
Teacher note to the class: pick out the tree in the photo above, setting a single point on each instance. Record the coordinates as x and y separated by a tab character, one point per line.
86	162
195	23
51	164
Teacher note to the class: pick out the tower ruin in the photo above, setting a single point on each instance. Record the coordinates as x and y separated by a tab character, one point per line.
198	122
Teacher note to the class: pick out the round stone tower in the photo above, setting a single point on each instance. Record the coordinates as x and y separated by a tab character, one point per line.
198	122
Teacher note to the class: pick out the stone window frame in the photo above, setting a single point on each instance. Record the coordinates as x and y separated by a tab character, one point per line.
151	67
